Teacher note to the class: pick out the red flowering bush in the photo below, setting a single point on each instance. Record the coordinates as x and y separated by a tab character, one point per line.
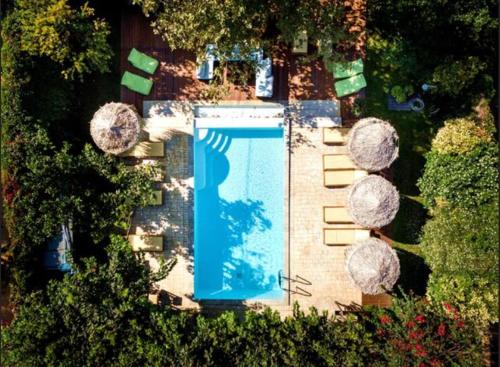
414	332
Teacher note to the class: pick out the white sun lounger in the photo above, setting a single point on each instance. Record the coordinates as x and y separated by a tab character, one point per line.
149	243
145	149
335	135
339	178
338	161
336	214
344	236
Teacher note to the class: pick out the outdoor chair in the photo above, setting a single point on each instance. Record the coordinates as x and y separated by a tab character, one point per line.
142	61
336	214
158	177
146	149
340	178
144	242
264	79
335	135
300	43
350	85
157	198
337	162
137	83
344	236
345	70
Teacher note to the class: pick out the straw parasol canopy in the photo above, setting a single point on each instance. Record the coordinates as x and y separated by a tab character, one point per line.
373	144
115	127
372	202
373	266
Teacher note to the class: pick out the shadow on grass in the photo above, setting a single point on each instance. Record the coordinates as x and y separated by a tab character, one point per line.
414	271
409	221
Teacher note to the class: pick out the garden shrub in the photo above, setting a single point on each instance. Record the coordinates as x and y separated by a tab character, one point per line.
69	36
68	180
454	76
459	136
461	248
414	332
465	180
100	315
454	43
476	298
397	67
463	241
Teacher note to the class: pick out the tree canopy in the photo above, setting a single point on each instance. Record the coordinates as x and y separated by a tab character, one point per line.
71	37
191	25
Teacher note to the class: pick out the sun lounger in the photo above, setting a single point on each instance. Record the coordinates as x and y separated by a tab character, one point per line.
337	162
346	70
335	135
142	61
146	242
300	43
206	70
336	214
264	87
146	149
350	85
157	198
137	83
339	178
158	177
344	236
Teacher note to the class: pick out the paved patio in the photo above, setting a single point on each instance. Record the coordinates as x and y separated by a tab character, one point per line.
316	272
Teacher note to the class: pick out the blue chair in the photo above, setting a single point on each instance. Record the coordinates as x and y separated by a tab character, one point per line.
264	79
58	251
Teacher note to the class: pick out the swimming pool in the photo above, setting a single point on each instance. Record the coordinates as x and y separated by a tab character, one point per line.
239	213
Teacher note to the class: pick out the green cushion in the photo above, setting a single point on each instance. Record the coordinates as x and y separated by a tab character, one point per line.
350	85
345	70
142	61
137	83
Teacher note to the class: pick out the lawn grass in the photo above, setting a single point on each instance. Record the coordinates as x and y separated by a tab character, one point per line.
415	134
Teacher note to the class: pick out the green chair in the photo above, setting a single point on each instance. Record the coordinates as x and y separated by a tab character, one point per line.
346	70
137	83
350	85
142	61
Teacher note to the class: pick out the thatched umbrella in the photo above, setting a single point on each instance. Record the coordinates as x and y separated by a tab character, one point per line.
373	266
373	144
372	202
115	127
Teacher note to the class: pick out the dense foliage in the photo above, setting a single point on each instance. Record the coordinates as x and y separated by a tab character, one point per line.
460	241
453	44
463	241
422	334
464	180
101	316
476	298
460	136
71	37
50	175
249	24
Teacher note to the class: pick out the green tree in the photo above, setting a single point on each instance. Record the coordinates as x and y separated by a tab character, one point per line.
465	180
476	298
463	241
191	25
460	136
463	62
71	37
461	248
92	317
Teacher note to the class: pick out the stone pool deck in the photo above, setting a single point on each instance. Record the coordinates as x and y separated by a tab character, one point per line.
315	272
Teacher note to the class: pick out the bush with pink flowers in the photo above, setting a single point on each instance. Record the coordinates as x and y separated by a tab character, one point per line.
414	332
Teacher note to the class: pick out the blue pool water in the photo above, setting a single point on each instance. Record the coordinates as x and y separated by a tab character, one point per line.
239	213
